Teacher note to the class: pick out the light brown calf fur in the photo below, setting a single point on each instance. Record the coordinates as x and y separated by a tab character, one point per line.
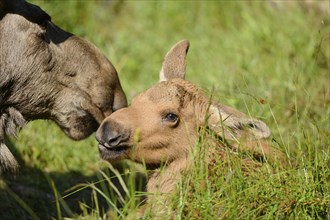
160	128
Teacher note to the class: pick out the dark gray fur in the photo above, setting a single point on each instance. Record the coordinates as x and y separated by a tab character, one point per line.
48	73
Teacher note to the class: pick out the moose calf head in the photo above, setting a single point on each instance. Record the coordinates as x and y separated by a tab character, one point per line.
47	73
162	122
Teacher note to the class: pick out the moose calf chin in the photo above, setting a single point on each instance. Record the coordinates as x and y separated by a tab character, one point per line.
161	126
48	73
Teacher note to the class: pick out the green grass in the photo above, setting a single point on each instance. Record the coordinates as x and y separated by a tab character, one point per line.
271	61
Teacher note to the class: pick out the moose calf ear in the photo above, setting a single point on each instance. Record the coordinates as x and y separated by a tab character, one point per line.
174	65
258	129
234	125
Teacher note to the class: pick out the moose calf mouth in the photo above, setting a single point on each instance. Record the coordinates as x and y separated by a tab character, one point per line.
113	153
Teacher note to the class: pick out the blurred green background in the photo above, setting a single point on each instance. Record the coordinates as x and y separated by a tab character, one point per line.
268	58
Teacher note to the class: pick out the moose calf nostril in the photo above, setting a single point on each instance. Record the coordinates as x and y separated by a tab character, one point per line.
114	140
110	134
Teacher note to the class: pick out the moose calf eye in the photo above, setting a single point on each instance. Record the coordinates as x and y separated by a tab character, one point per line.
171	117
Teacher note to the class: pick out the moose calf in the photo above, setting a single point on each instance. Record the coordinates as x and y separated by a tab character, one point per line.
47	73
161	126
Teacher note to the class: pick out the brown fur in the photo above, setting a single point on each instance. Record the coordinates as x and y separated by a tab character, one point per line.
162	125
47	73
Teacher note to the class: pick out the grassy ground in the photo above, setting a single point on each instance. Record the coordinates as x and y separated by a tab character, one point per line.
268	58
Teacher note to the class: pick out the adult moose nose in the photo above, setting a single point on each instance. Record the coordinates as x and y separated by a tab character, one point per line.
110	135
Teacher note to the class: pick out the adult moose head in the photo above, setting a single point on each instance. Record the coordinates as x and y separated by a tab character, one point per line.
48	73
161	126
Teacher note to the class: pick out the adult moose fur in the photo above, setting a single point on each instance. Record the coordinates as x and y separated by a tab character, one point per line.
161	126
48	73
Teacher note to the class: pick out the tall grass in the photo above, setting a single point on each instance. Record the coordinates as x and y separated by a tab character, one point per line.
270	60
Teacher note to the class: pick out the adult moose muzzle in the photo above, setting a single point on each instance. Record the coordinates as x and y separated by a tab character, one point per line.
48	73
